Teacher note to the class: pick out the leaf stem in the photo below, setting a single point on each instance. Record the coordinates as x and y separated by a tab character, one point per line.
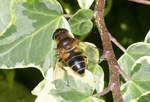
117	43
103	57
125	76
110	86
107	46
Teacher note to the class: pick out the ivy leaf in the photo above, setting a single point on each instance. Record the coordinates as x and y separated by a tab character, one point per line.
42	90
5	15
64	85
75	96
135	63
133	53
126	62
92	54
28	42
58	90
85	4
147	38
140	80
138	50
99	77
72	82
81	22
91	51
143	98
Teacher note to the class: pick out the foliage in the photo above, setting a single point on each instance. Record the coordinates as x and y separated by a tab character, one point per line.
24	44
26	41
135	62
81	21
85	3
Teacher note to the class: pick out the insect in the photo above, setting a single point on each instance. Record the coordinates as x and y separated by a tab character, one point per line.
69	50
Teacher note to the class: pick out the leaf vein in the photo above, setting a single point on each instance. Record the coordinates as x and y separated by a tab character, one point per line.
32	34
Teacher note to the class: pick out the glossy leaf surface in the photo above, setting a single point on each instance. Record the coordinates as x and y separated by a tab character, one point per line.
28	42
81	22
5	15
135	62
85	3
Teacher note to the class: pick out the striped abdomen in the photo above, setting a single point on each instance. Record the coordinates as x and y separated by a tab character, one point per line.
76	61
69	50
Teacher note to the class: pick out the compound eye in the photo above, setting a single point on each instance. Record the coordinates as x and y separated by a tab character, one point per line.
55	35
58	32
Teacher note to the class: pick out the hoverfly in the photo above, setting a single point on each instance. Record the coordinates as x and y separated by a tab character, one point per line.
69	50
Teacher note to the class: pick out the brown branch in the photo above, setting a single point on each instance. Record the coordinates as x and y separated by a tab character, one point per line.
103	57
107	46
110	86
125	76
117	43
146	2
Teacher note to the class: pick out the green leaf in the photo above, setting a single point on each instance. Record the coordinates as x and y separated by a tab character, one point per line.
42	90
144	98
5	15
138	50
16	94
134	52
91	51
59	91
99	77
135	63
92	54
68	79
140	76
81	22
85	4
126	62
28	42
75	96
141	66
147	38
